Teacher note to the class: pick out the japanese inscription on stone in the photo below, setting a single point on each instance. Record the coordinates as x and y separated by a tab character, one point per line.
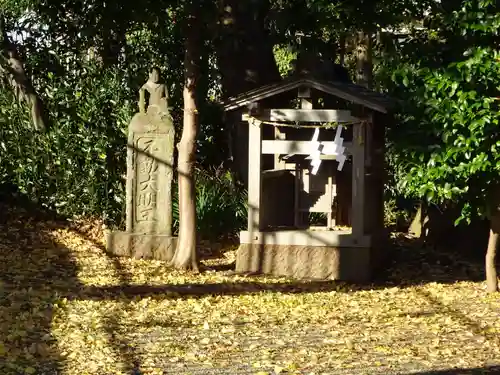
146	180
150	160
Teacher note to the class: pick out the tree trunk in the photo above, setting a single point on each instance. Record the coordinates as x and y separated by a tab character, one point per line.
114	42
491	251
244	52
364	63
246	61
11	67
342	49
185	256
419	225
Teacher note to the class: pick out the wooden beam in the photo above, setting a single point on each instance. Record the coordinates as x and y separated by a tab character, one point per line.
254	176
305	115
304	95
298	187
296	147
358	181
278	135
330	223
369	142
305	238
347	152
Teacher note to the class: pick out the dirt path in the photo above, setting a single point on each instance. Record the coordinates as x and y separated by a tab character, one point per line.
68	308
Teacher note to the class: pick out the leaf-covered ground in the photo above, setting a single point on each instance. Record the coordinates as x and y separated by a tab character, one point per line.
67	308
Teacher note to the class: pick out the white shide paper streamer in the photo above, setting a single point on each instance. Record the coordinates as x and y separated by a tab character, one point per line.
336	149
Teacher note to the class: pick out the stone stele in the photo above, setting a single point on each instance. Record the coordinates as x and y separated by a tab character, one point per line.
150	158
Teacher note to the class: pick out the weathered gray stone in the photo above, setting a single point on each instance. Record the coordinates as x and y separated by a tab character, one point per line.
353	264
142	246
150	159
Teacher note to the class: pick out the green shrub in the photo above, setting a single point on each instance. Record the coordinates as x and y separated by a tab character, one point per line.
76	167
395	216
220	205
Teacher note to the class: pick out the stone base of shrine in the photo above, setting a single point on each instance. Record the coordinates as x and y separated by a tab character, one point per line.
307	254
352	264
141	246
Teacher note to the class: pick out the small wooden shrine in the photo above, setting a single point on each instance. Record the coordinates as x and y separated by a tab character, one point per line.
315	179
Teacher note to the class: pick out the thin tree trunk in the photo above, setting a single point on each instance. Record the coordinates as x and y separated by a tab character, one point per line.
418	226
364	63
246	61
490	267
11	67
491	251
244	52
342	49
185	256
113	45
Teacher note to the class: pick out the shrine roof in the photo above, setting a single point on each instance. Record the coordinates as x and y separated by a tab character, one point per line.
344	90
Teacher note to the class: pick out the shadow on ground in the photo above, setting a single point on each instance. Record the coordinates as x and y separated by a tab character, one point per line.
463	371
409	263
36	273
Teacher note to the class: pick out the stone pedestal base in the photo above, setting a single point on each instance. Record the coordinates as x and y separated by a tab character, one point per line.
141	246
353	264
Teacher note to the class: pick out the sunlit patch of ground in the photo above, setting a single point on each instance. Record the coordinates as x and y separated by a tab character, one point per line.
66	307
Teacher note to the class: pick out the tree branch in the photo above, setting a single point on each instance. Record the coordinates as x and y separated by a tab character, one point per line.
14	75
